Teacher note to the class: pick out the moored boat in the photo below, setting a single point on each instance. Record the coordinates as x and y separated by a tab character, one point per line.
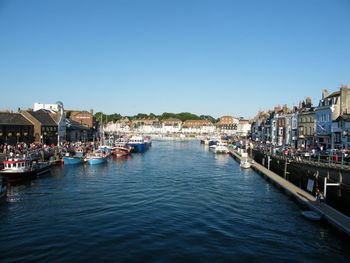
245	164
121	151
21	167
97	157
139	143
68	160
220	147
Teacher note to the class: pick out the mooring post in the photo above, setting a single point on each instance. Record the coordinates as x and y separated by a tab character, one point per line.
285	168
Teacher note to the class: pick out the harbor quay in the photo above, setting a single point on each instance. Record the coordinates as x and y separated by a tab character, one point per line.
334	217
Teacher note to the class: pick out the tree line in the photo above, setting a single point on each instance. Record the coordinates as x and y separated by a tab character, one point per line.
183	116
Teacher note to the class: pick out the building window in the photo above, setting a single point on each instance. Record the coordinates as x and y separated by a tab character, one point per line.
301	130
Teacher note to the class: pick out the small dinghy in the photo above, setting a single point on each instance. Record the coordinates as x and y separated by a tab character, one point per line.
245	164
311	215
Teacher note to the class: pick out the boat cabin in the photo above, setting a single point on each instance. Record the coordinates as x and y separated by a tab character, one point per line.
17	164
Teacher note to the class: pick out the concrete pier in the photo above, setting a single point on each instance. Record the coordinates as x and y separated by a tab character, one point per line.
334	217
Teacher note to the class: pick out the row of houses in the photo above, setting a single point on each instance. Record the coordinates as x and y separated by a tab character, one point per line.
227	125
326	125
47	124
52	124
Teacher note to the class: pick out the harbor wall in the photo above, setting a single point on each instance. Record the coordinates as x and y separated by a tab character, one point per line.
298	173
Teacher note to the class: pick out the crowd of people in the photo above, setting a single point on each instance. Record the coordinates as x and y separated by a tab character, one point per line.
46	151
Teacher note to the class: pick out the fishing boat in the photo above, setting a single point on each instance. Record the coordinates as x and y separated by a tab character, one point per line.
22	167
139	143
96	157
120	151
107	149
245	164
68	160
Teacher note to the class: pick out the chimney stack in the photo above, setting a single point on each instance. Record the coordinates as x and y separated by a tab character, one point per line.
277	108
285	109
325	93
344	99
308	102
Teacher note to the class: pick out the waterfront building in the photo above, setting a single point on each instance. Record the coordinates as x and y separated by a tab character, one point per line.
45	127
281	123
86	119
257	126
121	126
14	128
340	132
274	125
227	125
146	125
56	111
75	131
292	128
330	107
266	128
243	127
198	127
306	124
171	126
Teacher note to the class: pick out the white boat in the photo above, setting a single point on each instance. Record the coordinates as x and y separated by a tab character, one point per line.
21	167
221	147
245	164
311	215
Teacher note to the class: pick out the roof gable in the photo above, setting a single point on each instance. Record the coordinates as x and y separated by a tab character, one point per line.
13	119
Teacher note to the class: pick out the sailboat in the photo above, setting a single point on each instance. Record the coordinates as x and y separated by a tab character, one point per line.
97	156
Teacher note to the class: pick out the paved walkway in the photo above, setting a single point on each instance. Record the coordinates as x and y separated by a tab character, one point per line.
333	216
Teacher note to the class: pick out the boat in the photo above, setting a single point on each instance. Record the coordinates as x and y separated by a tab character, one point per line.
245	164
139	143
68	160
221	147
22	167
107	149
121	150
311	215
96	157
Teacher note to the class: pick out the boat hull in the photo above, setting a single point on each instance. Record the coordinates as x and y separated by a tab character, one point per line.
72	160
13	177
96	160
139	147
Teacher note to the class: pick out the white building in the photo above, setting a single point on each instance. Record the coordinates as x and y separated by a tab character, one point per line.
243	128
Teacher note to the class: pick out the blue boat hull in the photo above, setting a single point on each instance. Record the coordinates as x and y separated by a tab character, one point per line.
139	147
72	160
96	160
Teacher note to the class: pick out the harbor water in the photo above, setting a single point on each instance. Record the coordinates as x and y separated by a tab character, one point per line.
177	202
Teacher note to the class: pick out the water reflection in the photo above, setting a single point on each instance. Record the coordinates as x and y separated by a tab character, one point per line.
177	202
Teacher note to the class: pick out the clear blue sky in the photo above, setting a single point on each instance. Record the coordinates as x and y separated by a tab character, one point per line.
206	57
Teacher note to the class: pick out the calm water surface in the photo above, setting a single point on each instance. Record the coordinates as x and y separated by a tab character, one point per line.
178	202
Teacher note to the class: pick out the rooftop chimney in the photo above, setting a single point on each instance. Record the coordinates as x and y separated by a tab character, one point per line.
325	93
285	109
277	108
